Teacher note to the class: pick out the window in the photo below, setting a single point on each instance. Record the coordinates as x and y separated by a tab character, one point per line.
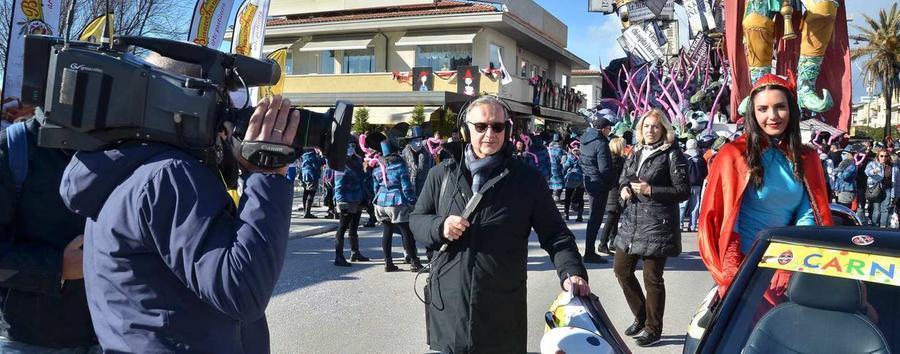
524	66
565	80
289	63
496	52
444	57
535	70
359	61
326	62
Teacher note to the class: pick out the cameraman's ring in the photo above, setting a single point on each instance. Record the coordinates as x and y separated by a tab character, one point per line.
279	131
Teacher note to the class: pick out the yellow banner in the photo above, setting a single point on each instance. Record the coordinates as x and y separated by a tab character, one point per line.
207	11
93	32
280	57
245	20
833	263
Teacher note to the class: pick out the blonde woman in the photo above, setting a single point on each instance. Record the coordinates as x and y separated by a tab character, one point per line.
652	184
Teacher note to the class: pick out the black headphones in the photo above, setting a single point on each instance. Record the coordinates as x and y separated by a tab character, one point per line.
463	124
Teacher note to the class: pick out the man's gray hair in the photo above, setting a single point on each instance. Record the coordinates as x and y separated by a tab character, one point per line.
488	100
174	66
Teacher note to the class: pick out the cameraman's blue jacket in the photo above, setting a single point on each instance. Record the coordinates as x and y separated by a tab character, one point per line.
169	265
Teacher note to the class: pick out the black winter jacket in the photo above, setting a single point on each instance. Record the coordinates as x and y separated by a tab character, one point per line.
650	225
477	288
612	201
35	228
596	162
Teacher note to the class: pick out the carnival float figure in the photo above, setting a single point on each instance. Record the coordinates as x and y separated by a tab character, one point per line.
823	50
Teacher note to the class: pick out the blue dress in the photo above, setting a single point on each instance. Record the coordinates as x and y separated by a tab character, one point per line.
781	201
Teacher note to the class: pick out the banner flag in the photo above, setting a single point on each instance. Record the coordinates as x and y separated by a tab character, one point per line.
28	17
249	33
280	57
210	22
93	32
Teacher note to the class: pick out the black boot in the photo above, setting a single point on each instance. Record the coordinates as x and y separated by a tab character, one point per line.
603	248
646	339
416	266
356	256
388	268
591	257
341	262
635	328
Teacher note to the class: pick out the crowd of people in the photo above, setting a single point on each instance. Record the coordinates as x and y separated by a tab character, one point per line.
644	188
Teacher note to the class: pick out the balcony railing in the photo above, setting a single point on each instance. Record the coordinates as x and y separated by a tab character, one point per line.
518	90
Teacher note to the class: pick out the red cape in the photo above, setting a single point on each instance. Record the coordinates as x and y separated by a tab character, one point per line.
728	178
836	70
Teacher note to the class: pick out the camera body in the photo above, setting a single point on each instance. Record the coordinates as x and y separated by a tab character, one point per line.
92	97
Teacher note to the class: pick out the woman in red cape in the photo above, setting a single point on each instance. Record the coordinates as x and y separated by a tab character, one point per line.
740	168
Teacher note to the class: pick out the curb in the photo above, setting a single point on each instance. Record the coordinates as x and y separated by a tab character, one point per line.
312	231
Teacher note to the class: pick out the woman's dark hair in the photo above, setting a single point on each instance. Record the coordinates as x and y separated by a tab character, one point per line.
758	141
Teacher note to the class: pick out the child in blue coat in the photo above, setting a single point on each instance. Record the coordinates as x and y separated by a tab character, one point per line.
348	198
395	197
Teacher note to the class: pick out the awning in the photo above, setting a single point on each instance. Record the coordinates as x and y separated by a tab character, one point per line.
386	115
338	43
394	115
433	38
815	125
268	48
561	116
379	99
518	107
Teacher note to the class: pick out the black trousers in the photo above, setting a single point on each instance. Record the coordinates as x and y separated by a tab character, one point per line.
574	200
409	243
649	309
308	196
598	208
348	222
610	228
328	199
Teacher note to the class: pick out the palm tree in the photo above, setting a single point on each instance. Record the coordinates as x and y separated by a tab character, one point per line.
881	53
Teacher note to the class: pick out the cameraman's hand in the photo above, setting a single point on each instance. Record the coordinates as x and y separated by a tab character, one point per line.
270	123
73	255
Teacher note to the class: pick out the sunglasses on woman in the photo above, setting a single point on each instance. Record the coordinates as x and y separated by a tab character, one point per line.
482	127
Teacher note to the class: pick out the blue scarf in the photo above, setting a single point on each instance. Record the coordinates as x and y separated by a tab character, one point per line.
481	169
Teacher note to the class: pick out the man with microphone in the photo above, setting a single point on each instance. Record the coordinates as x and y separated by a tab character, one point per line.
481	207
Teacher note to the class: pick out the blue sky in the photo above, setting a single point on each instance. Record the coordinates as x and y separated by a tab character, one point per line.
592	35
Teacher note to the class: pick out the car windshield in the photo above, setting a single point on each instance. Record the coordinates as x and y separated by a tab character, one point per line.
803	296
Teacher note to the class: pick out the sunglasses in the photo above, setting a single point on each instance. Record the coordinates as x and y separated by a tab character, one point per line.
482	127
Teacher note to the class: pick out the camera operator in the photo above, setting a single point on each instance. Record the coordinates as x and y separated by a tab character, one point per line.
41	281
170	265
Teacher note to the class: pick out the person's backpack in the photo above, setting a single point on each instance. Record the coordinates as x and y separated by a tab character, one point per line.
17	142
696	170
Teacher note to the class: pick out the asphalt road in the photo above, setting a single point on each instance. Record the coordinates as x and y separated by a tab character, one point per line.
320	308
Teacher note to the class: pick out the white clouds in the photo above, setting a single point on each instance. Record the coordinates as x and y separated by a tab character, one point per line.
598	42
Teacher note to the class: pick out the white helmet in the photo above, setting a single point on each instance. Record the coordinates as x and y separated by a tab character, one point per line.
571	340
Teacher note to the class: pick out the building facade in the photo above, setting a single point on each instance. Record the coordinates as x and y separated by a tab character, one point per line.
375	52
872	112
589	83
